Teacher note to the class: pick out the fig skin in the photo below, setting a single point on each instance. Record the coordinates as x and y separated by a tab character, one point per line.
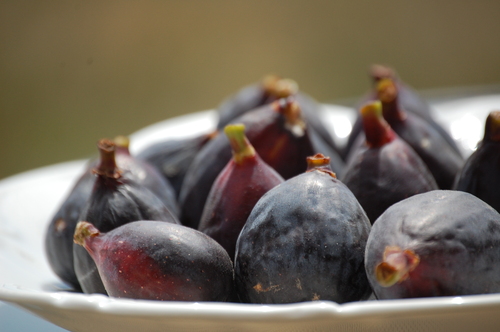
278	134
304	241
480	174
172	157
385	169
267	91
236	191
451	239
59	235
154	260
115	200
409	100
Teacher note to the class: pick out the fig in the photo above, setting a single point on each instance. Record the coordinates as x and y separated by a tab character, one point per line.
385	169
172	157
304	241
442	159
407	99
270	89
236	190
480	173
115	200
59	235
155	260
278	133
438	243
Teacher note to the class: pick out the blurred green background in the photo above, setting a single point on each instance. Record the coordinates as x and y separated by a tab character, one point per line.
72	72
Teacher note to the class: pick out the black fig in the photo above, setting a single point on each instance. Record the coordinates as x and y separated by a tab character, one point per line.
172	157
384	170
155	260
304	241
480	174
236	190
115	200
439	243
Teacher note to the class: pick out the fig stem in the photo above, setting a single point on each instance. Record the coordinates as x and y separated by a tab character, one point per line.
321	163
396	266
84	230
279	87
290	109
377	130
492	127
241	147
387	93
107	165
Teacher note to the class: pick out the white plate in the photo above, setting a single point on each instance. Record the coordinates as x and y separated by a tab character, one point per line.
28	200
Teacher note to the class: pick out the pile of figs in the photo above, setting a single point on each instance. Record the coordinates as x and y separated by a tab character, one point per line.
268	208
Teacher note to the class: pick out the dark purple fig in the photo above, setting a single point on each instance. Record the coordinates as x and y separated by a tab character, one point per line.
443	160
480	174
144	173
439	243
408	100
279	135
59	236
270	89
304	241
236	190
385	169
155	260
115	200
172	157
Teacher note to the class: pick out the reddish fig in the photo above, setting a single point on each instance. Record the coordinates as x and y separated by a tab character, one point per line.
480	174
115	200
236	190
154	260
270	89
304	241
384	170
279	135
438	243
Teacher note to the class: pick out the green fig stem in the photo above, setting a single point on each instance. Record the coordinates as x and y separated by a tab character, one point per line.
395	266
84	230
377	130
241	147
320	162
290	109
492	127
387	93
107	166
279	87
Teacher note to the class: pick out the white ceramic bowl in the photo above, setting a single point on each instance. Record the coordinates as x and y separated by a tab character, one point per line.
28	200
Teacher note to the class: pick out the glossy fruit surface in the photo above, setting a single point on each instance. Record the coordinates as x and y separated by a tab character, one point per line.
115	200
384	170
155	260
277	132
439	243
480	174
304	241
236	190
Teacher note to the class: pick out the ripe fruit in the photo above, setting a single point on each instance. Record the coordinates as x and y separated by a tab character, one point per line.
236	190
156	260
303	241
439	243
385	169
115	200
480	174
